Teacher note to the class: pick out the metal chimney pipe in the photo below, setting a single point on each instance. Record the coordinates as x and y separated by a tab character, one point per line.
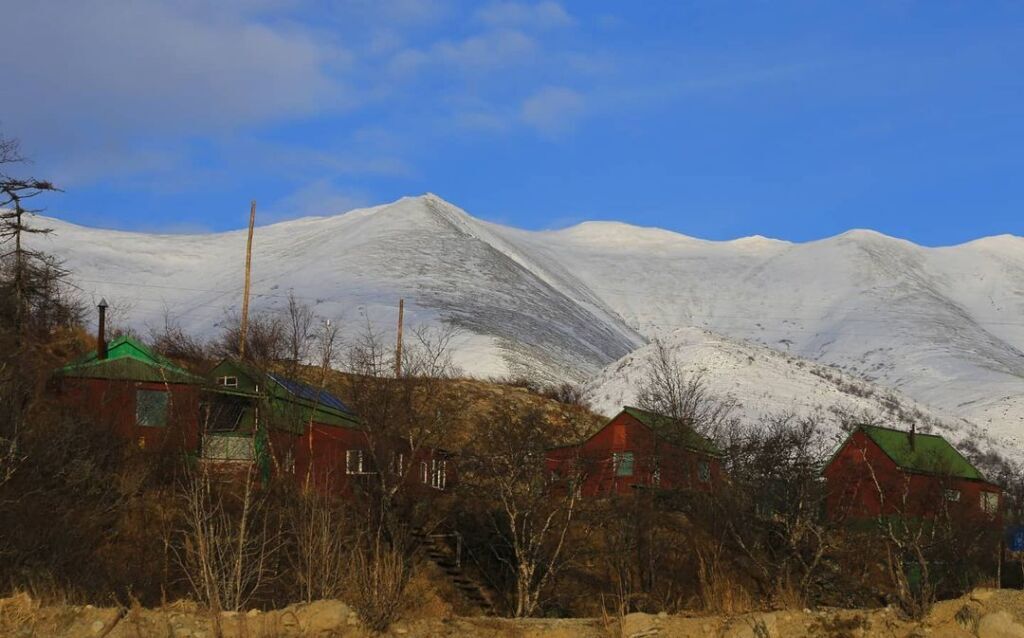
101	337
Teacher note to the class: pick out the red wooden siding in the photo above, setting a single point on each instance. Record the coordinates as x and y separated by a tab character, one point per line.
863	482
656	462
112	404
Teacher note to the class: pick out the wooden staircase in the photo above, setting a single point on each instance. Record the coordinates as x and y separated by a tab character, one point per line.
448	561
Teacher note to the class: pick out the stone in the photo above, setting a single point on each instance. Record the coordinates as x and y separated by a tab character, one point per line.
999	624
324	616
97	627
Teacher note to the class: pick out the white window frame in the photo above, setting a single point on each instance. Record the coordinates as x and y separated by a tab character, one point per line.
228	381
953	496
355	462
989	502
438	474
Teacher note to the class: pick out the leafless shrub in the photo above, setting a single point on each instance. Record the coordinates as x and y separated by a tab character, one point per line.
225	548
171	340
266	339
320	561
380	573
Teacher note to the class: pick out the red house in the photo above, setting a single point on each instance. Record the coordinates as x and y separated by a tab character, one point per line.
136	393
254	418
639	449
885	472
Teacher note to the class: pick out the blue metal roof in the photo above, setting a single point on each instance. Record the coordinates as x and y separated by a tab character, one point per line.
303	391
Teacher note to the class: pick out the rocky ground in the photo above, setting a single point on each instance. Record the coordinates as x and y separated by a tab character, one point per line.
984	613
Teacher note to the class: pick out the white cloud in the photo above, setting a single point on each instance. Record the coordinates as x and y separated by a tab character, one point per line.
486	51
321	197
544	15
552	110
125	67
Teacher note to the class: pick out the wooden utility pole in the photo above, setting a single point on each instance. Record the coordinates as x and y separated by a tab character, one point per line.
244	328
398	347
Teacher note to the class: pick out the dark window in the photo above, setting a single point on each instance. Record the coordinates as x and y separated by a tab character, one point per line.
229	382
703	472
151	408
623	463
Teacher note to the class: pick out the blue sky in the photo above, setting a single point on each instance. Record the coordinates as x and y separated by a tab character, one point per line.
717	119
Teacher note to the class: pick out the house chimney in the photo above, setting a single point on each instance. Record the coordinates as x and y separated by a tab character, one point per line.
101	337
913	431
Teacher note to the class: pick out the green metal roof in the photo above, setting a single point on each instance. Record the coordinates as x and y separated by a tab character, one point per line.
929	454
673	431
250	378
128	360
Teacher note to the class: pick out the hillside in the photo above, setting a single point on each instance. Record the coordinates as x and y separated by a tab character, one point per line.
941	325
766	383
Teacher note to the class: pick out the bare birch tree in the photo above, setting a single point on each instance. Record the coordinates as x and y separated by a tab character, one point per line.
505	471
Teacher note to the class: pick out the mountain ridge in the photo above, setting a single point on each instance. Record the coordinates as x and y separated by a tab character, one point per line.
939	324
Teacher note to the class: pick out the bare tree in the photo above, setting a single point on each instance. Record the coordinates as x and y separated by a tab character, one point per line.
299	329
505	471
669	390
773	502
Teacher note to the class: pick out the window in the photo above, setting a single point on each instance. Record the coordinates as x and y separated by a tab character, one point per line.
953	496
623	462
438	474
355	462
703	472
990	502
151	408
228	382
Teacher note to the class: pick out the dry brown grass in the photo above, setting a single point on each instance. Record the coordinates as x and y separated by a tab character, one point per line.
18	611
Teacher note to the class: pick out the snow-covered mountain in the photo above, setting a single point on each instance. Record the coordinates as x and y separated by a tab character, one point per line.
942	325
763	383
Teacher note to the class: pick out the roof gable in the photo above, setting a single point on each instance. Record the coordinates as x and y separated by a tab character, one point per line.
929	454
673	431
128	359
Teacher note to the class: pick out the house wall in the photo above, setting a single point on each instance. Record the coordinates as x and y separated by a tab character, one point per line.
655	461
320	461
863	482
112	404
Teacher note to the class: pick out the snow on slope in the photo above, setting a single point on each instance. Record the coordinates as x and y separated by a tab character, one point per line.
517	316
765	382
944	326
